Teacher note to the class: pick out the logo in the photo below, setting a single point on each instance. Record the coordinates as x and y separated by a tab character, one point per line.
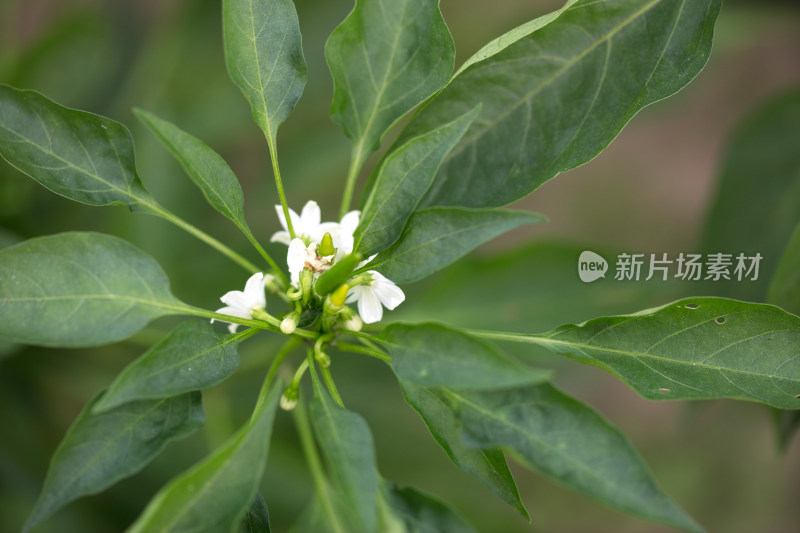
591	266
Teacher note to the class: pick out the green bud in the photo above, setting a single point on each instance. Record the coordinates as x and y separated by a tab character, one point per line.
306	280
326	246
339	296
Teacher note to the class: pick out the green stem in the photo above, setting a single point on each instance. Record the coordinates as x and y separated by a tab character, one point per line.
513	337
352	175
273	155
271	262
284	351
315	464
258	324
162	212
355	348
328	377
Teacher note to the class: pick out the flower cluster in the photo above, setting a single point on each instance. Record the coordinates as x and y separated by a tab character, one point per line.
315	249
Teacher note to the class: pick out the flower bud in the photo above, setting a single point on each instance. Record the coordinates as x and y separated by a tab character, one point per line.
351	320
289	398
289	323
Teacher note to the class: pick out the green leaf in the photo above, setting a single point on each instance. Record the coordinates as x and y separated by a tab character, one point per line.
510	37
487	465
79	155
557	96
422	513
265	58
205	167
385	58
79	289
346	444
550	295
101	449
697	348
213	496
761	161
433	355
192	357
257	518
568	441
402	180
434	238
784	289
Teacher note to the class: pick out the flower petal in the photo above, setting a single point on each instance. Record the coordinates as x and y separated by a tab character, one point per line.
349	222
282	219
354	294
282	237
387	292
309	218
236	300
369	307
254	291
296	259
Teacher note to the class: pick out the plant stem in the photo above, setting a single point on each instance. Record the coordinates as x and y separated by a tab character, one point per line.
314	463
352	175
273	265
167	215
328	377
205	313
273	155
284	351
355	348
513	337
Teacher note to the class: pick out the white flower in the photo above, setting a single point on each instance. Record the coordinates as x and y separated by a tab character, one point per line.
301	256
308	228
380	291
242	304
305	225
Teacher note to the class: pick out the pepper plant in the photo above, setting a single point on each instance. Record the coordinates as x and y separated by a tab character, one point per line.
542	99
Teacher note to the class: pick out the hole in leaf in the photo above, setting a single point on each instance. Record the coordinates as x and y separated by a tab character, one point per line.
798	396
691	306
720	320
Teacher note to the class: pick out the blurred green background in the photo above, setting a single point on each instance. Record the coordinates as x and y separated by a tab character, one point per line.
649	192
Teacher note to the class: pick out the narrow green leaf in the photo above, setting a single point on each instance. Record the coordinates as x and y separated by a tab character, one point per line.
433	355
557	96
784	289
422	513
697	348
385	58
257	518
264	54
79	289
762	161
192	357
436	237
510	37
101	449
487	465
79	155
213	496
205	167
347	446
568	441
402	180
